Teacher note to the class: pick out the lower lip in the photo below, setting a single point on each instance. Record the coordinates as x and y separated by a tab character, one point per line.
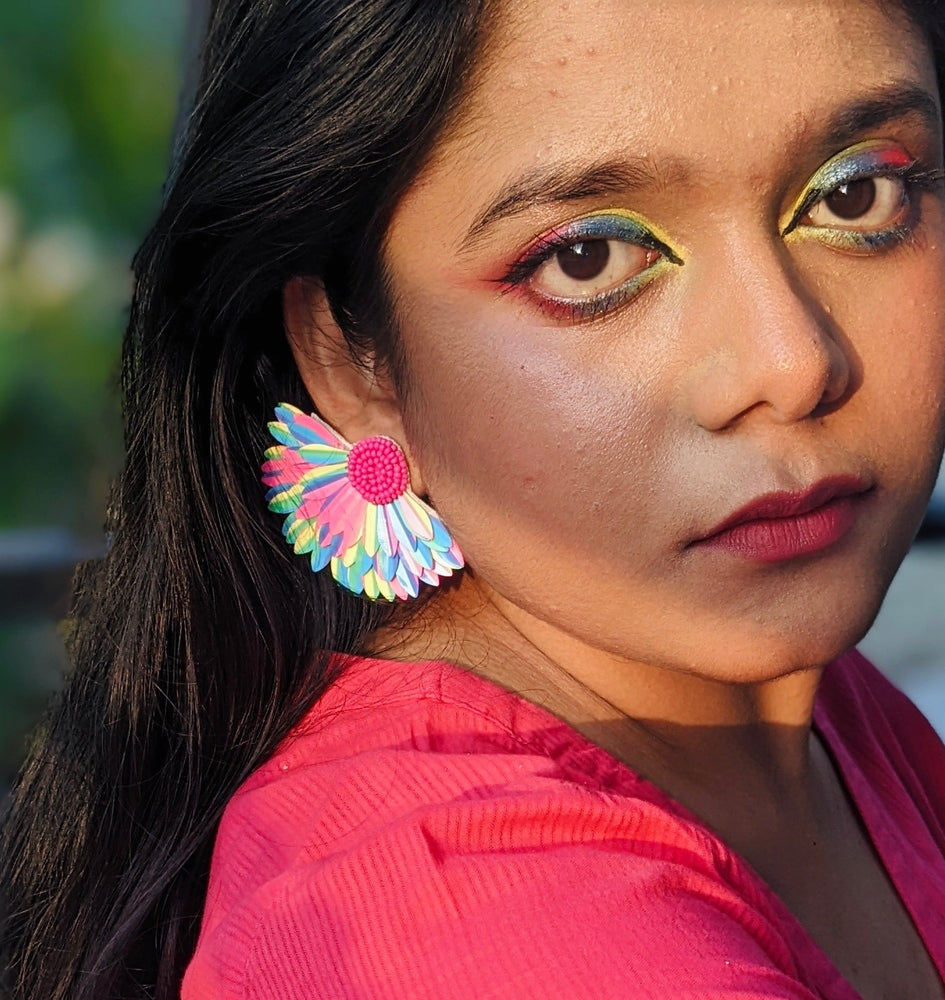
776	539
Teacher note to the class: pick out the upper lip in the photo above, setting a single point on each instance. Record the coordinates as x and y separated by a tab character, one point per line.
785	504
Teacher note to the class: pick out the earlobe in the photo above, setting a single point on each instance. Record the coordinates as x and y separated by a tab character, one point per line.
349	394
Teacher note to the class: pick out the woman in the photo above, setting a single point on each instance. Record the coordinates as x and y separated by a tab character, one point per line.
649	299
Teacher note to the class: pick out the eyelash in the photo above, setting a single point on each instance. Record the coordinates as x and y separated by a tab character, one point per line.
619	226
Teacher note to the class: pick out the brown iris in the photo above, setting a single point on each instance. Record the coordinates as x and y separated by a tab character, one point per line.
583	261
853	200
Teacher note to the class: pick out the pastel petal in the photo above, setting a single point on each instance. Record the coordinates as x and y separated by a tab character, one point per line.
306	429
446	562
321	557
357	560
302	536
370	585
343	575
280	431
383	586
318	478
317	501
322	454
415	515
441	539
407	580
385	534
284	500
422	554
384	565
370	539
401	532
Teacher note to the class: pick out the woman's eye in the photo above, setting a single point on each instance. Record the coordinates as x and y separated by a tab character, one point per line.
590	268
868	203
864	200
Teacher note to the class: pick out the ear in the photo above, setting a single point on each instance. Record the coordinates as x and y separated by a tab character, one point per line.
348	393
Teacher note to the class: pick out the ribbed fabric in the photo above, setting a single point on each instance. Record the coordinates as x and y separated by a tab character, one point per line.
425	835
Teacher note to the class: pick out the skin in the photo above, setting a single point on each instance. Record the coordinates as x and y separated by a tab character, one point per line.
577	461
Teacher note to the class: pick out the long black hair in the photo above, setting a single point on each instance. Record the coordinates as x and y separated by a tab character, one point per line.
200	640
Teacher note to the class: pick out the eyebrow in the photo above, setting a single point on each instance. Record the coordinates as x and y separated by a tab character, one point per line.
893	102
571	181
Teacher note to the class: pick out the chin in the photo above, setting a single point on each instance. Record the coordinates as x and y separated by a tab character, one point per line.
759	652
811	624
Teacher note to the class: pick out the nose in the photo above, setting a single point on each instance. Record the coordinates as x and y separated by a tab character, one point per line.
764	344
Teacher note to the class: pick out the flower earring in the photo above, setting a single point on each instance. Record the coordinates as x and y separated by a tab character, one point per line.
351	508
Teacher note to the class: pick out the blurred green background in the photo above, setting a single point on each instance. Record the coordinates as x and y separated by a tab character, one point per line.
88	96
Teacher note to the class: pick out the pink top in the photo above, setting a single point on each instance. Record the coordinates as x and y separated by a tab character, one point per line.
426	834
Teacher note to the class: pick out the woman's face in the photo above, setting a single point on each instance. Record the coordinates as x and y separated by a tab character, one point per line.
677	256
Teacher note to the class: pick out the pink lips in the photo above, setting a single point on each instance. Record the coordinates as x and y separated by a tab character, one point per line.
779	526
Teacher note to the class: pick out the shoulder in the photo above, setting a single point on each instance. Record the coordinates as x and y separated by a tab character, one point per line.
425	834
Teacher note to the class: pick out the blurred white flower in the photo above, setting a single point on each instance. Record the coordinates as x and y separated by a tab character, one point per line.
58	263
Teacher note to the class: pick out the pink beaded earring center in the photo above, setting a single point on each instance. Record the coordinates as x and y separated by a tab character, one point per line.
378	470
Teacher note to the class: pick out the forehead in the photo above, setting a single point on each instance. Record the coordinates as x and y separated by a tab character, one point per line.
697	85
659	63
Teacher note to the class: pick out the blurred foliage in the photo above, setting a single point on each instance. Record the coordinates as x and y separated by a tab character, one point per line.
88	94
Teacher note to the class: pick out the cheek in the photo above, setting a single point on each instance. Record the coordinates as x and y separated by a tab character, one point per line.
904	365
529	444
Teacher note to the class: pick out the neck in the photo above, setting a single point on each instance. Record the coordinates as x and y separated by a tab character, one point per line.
708	743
